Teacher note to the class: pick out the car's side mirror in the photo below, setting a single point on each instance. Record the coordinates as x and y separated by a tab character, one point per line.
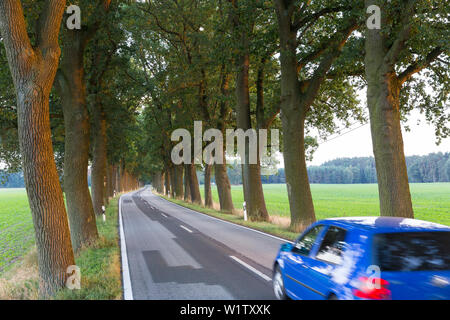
287	247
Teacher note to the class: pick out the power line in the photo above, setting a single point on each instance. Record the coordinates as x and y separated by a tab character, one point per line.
345	133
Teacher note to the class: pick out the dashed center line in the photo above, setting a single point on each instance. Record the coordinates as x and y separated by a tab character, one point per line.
164	215
190	231
249	267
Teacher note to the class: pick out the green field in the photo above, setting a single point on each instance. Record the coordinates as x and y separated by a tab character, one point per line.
16	226
431	202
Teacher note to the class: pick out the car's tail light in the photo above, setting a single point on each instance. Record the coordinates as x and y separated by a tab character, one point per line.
373	289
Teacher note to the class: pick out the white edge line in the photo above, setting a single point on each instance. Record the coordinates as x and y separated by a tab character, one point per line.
127	290
249	267
224	221
190	231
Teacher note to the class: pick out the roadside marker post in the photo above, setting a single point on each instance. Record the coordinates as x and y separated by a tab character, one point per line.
245	211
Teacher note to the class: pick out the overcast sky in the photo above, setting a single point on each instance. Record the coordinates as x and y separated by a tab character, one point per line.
419	141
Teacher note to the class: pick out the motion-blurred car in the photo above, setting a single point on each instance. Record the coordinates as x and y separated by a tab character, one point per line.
375	258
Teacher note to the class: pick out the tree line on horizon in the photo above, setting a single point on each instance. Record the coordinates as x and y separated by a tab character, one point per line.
432	168
111	94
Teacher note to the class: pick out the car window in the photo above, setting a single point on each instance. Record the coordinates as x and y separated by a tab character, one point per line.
304	245
413	251
332	246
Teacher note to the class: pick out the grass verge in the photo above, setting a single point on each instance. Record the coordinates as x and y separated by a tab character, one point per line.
99	264
266	227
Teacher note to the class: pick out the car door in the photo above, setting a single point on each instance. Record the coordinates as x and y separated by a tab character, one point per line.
318	267
294	262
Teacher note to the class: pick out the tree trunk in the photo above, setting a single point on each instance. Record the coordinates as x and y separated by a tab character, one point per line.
187	190
161	187
118	178
157	182
208	193
191	174
173	176
72	89
251	173
167	180
107	184
293	115
33	76
178	181
223	187
384	107
99	159
220	170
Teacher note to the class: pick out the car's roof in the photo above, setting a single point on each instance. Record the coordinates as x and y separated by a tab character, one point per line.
386	224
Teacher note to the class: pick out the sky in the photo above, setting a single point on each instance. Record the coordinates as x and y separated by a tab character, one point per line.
420	140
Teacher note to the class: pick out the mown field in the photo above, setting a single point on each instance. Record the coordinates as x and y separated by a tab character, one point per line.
431	202
16	226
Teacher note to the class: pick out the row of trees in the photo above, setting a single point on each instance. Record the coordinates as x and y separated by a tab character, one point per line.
63	104
113	92
293	65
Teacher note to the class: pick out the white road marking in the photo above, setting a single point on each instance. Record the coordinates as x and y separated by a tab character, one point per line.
127	290
249	267
164	215
190	231
228	222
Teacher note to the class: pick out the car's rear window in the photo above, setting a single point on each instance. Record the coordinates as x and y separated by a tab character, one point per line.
415	251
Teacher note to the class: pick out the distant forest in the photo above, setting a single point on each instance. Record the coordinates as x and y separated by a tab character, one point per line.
434	167
11	180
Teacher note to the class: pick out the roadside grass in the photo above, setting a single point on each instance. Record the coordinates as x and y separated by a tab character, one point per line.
99	265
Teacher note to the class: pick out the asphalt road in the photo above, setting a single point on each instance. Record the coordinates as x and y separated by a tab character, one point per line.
176	253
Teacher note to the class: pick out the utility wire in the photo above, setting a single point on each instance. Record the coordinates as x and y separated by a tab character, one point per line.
345	133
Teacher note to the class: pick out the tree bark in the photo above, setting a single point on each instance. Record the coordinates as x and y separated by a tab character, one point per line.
99	159
71	85
194	188
297	98
384	107
187	190
33	71
220	170
119	178
107	184
223	188
208	193
251	173
293	115
167	181
157	182
178	180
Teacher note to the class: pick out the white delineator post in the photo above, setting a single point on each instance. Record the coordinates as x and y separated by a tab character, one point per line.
245	211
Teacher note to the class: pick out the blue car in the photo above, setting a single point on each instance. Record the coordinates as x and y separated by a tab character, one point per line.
369	258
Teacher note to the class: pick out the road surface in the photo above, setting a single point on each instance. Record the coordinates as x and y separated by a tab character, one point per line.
175	253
